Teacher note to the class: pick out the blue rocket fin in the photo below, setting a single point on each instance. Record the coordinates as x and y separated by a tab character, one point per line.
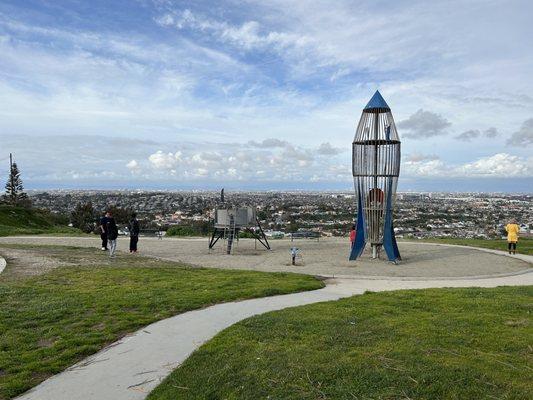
360	239
389	239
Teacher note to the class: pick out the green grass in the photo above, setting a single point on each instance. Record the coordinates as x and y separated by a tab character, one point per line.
51	321
430	344
19	220
525	245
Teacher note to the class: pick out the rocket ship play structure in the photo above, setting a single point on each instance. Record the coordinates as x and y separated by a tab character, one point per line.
376	168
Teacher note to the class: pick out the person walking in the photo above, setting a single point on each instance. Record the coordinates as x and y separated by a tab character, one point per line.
512	230
133	227
103	232
112	234
353	234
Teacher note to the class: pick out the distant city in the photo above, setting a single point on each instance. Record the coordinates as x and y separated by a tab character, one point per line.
418	215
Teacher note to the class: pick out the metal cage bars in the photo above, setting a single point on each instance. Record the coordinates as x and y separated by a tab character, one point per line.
376	167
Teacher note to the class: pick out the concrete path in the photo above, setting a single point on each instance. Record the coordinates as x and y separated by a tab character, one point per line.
130	368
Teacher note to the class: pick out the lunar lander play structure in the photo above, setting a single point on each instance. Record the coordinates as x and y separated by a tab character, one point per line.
230	221
376	168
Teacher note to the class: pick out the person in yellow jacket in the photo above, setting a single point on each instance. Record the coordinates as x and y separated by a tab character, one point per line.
512	230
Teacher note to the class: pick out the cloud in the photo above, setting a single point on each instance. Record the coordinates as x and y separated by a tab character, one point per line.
424	124
416	157
491	133
248	35
269	143
524	136
274	69
423	166
326	149
161	160
467	136
269	160
133	166
500	165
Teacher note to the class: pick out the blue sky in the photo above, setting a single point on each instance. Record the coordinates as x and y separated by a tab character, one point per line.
264	94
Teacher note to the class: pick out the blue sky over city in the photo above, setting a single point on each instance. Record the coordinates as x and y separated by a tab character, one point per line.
264	94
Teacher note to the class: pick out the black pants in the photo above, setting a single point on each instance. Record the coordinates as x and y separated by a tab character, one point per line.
511	246
133	243
103	236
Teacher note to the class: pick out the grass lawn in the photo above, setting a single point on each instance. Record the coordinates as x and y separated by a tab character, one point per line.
430	344
50	321
525	245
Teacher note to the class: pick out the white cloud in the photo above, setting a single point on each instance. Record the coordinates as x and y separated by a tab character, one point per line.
248	35
279	69
133	166
424	167
161	160
269	160
499	165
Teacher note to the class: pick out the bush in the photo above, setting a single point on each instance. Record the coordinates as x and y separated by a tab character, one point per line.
83	217
182	231
246	235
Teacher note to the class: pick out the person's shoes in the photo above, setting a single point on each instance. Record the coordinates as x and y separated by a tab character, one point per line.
104	249
510	253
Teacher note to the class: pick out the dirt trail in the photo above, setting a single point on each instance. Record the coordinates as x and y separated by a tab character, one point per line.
24	262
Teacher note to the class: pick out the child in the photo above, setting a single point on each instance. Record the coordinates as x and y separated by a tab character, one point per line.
353	234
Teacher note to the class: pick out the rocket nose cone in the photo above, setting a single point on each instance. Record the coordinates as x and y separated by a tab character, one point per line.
377	102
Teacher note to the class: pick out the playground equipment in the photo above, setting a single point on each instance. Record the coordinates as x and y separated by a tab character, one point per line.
230	221
376	168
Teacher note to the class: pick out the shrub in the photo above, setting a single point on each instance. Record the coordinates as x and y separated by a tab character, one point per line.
182	231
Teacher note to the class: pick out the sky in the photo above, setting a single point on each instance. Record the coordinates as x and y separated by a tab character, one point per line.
265	95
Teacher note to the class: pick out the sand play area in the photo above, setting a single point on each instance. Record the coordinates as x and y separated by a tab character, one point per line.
327	257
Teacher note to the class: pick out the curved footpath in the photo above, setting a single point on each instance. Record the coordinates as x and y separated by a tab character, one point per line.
132	367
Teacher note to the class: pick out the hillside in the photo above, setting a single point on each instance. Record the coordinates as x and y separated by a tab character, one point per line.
19	220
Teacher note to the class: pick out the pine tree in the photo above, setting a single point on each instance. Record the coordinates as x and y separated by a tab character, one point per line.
14	188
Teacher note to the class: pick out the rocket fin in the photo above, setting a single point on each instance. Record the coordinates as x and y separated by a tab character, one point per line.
389	239
360	239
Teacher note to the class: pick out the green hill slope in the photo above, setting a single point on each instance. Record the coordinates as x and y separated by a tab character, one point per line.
19	220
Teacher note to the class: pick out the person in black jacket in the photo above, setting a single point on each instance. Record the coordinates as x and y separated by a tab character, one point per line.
133	227
103	233
112	234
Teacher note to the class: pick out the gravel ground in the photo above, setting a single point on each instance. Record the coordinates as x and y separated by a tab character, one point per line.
27	263
328	257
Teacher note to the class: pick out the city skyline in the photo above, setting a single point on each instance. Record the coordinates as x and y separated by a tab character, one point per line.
263	95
